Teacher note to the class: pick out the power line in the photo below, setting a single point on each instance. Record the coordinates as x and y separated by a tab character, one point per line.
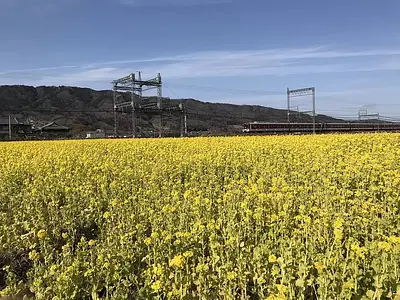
171	91
245	91
269	93
276	93
223	90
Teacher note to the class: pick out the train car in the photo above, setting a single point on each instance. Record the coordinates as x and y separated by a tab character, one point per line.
255	127
265	127
268	127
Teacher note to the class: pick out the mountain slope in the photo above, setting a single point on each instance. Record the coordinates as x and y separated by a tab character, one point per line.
84	109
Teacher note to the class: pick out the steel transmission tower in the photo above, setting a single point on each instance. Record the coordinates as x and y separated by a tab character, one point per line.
135	86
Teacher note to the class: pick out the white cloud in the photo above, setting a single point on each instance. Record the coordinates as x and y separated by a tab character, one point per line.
272	62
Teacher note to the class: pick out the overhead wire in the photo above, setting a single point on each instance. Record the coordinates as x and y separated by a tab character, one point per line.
252	92
220	89
230	90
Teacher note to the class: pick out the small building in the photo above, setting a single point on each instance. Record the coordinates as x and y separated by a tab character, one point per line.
18	129
98	134
52	130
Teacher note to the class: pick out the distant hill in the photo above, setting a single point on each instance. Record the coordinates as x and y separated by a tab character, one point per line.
84	109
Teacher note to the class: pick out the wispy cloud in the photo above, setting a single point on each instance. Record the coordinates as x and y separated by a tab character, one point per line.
38	69
38	7
95	75
256	57
271	62
173	2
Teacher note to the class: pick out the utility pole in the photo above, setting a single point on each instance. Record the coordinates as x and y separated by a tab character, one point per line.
115	111
299	93
288	105
313	108
9	127
185	121
160	103
379	122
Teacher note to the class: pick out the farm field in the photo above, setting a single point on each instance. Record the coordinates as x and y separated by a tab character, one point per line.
275	217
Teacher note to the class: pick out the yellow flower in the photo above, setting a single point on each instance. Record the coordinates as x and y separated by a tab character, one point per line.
177	262
394	239
385	246
359	251
231	276
188	254
319	266
282	288
33	255
168	237
158	270
274	218
42	234
272	259
261	280
276	297
65	235
338	223
349	285
338	234
92	242
201	268
156	286
231	241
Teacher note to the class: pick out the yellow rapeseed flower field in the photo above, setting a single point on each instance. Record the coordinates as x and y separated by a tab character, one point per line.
278	217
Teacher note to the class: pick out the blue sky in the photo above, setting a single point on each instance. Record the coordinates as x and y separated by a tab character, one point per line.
236	51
